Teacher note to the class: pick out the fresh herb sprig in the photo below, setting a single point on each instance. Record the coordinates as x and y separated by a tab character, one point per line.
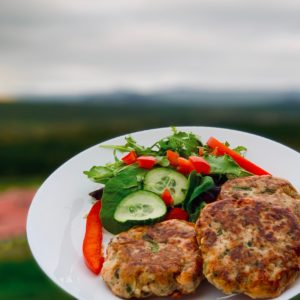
184	143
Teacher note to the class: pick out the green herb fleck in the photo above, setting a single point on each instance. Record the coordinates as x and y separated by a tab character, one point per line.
242	188
154	247
128	289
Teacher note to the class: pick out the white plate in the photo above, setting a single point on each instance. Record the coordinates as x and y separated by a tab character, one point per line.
56	224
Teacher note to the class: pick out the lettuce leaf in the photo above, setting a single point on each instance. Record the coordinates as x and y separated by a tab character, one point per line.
116	189
225	165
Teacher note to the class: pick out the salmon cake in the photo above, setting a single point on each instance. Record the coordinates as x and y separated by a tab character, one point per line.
249	246
263	185
158	260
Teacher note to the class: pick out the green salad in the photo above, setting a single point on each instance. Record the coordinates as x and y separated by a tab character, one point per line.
174	178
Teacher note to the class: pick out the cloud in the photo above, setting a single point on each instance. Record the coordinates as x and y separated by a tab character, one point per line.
76	46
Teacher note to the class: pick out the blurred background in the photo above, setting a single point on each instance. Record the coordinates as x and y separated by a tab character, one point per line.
74	73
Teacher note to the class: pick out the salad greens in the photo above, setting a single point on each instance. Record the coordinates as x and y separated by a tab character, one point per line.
225	165
194	201
184	143
121	179
116	189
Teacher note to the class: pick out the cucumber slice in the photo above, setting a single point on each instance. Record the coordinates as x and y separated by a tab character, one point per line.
158	179
140	207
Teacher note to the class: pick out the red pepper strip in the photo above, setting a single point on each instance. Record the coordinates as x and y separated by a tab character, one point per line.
146	162
243	162
92	243
200	164
129	158
167	197
177	213
184	166
172	157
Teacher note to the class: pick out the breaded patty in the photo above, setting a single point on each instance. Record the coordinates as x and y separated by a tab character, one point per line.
249	246
162	259
282	200
264	185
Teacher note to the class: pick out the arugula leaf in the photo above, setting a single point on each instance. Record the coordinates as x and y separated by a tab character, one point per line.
99	174
131	145
102	174
225	165
240	150
184	143
116	189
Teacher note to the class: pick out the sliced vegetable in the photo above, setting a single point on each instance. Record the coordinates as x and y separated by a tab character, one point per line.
140	207
167	197
200	164
158	179
92	243
243	162
130	158
146	162
172	157
185	166
177	213
116	189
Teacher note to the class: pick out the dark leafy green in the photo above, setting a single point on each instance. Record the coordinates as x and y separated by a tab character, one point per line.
193	217
206	183
198	187
117	188
193	181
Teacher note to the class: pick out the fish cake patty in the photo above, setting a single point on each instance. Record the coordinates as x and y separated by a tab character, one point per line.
249	246
158	260
263	185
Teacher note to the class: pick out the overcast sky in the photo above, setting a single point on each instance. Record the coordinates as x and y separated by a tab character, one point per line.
79	46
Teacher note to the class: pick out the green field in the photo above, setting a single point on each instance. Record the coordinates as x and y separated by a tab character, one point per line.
36	138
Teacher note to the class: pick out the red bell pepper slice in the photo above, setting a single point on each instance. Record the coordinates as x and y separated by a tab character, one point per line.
240	160
200	164
177	213
172	157
146	162
184	166
167	197
201	151
129	158
92	243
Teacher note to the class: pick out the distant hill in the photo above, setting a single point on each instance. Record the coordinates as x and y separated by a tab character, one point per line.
174	96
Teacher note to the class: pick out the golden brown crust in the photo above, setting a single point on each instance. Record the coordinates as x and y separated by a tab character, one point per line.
160	260
249	246
264	185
